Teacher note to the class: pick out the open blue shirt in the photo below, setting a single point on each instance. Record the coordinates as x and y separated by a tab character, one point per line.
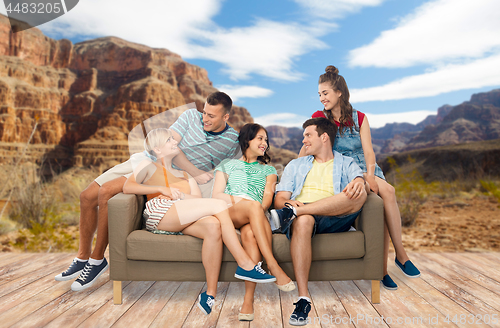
345	170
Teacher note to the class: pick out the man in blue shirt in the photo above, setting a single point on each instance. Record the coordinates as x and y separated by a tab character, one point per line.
322	192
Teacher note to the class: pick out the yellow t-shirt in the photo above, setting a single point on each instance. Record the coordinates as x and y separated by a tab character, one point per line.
318	183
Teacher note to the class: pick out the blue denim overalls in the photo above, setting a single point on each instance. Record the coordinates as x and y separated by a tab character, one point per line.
349	144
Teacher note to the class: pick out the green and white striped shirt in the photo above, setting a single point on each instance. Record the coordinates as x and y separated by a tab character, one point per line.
245	179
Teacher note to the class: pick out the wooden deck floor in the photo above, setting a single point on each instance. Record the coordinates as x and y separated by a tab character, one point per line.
463	287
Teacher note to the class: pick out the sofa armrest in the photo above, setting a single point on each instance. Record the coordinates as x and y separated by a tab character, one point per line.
371	223
124	216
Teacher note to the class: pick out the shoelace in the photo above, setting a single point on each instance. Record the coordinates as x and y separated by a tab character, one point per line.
210	302
259	269
300	306
72	264
86	271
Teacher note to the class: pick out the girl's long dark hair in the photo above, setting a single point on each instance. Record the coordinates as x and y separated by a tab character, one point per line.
247	133
337	82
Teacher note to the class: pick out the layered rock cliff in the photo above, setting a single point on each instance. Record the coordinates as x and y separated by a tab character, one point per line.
86	97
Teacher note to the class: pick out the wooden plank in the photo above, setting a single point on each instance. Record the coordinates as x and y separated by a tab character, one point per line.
177	308
358	307
13	257
405	307
466	300
32	304
493	272
328	306
478	263
287	307
109	313
267	308
19	283
228	316
59	305
84	309
464	283
8	270
143	312
30	264
494	256
438	300
473	275
196	318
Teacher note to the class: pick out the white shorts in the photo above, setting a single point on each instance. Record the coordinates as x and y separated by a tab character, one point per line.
124	169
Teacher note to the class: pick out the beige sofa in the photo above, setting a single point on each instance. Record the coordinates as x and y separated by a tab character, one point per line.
138	255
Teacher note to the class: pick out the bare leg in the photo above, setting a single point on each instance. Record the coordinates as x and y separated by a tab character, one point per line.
88	219
333	206
251	212
301	250
106	192
192	210
209	230
392	218
250	245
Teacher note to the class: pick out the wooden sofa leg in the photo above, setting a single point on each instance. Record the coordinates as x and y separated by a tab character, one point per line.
375	291
117	292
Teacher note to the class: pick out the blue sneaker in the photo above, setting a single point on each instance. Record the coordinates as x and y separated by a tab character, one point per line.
283	218
388	283
408	269
89	276
257	274
73	271
299	315
206	302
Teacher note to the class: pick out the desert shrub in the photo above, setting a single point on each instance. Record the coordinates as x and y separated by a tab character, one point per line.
33	204
48	238
491	188
411	191
7	225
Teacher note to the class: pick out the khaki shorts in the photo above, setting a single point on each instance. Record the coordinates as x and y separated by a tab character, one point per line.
121	170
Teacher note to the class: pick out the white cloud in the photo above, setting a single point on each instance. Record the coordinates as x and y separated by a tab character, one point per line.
453	77
380	120
336	8
245	91
437	31
265	48
282	119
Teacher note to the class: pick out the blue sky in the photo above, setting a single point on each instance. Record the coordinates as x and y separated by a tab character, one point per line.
402	59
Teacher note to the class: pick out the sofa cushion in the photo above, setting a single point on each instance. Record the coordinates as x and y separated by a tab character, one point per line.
146	246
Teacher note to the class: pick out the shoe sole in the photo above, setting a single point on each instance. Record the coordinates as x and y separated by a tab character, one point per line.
276	220
388	288
261	281
406	273
59	277
201	307
295	322
78	287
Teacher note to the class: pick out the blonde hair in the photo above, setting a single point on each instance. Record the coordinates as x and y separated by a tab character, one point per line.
155	139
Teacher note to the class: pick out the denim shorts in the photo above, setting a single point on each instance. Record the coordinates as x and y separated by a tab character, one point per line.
330	224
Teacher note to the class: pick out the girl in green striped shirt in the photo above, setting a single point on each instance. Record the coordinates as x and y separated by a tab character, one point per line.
247	185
